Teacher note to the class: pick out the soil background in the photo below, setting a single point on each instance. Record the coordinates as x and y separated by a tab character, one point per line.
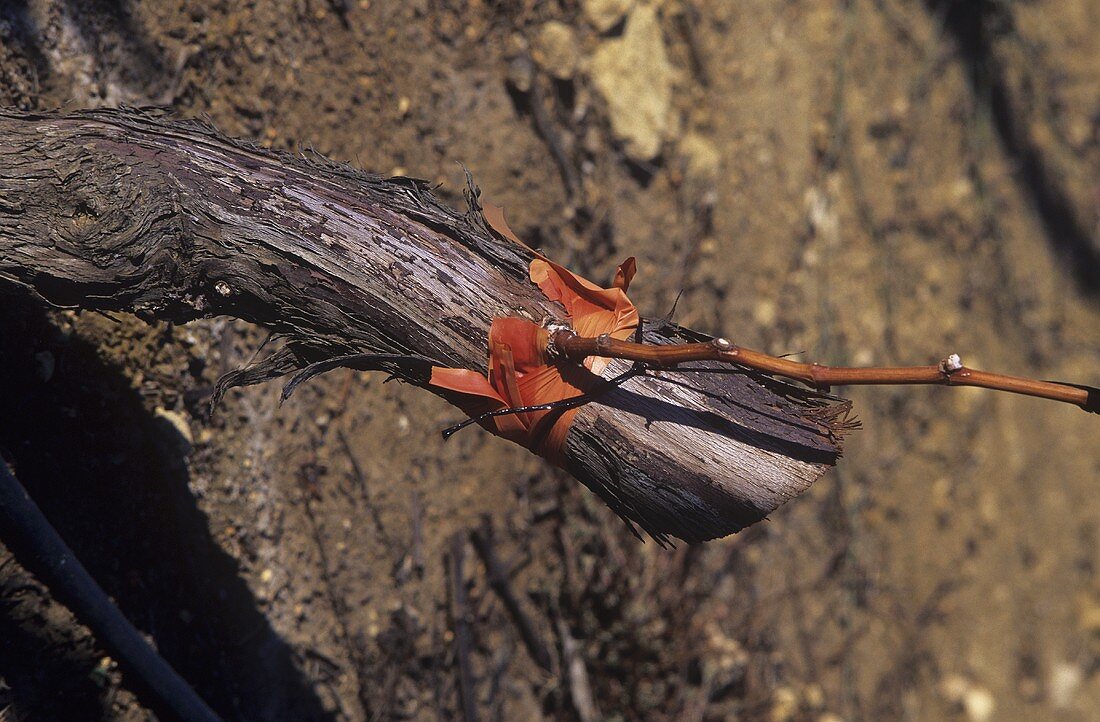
859	181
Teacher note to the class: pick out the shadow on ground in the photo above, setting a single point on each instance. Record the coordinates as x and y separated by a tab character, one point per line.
112	477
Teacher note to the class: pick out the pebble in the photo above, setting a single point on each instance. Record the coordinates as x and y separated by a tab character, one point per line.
1062	686
605	14
702	158
765	312
814	696
784	704
976	701
634	76
978	704
555	50
521	73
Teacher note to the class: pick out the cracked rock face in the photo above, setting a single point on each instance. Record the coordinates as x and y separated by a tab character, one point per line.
633	75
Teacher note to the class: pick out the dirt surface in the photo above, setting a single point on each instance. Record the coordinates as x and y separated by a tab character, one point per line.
863	182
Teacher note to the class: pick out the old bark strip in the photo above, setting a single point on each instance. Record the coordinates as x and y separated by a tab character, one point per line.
170	220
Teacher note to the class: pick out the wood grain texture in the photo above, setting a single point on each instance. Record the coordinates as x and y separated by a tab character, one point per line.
130	211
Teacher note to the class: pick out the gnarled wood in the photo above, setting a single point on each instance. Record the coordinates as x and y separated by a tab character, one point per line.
124	210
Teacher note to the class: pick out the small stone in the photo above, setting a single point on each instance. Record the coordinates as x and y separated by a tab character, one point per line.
784	704
702	158
978	704
605	14
822	216
266	576
962	189
521	73
814	696
555	50
1064	680
634	76
953	687
863	357
765	312
941	494
1079	131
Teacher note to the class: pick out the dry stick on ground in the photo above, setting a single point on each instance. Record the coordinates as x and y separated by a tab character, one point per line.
126	211
364	490
310	489
497	577
580	690
462	634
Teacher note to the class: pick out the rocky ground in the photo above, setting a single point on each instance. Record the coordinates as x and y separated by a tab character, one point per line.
863	181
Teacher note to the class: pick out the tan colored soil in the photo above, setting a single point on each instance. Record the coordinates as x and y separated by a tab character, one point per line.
831	180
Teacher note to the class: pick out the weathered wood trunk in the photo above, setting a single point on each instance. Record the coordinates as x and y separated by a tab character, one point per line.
169	220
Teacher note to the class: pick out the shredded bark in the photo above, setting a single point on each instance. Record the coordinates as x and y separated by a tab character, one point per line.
132	211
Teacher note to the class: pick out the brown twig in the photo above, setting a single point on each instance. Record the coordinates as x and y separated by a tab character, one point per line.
580	690
416	533
361	482
308	475
949	372
687	22
463	636
547	130
498	581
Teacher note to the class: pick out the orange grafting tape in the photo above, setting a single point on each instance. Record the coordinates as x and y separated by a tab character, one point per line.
519	373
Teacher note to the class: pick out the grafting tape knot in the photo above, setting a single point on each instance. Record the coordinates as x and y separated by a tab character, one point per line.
522	368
